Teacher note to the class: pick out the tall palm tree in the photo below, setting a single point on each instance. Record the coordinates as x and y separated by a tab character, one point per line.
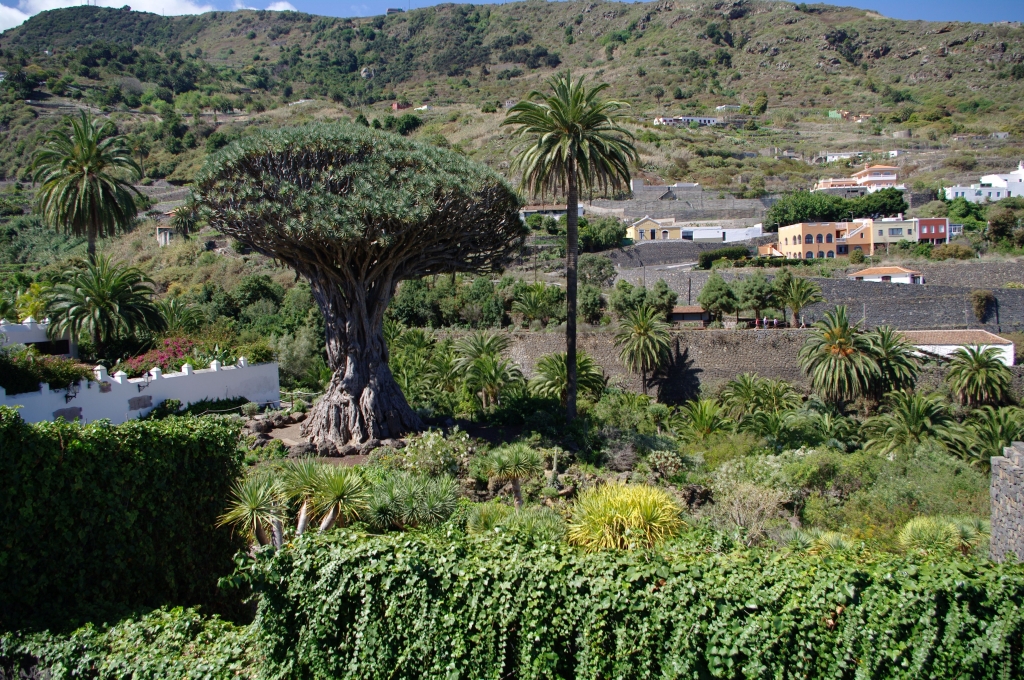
643	339
186	217
977	376
909	420
86	174
838	358
575	140
552	376
897	364
797	294
100	300
488	375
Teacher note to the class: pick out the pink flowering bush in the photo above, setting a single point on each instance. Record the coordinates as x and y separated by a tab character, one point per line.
170	356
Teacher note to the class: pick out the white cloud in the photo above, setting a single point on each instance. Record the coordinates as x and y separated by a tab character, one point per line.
239	4
11	16
281	7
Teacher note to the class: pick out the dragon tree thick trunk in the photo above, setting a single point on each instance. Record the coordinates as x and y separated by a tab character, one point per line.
363	402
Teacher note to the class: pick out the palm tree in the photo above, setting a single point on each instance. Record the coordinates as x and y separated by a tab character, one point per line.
532	304
514	463
575	141
552	377
909	420
478	344
897	364
748	393
8	309
644	341
85	173
797	294
100	300
838	358
186	217
178	316
444	371
488	375
992	429
699	420
977	376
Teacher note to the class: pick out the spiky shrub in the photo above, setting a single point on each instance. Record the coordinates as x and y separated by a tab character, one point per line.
943	535
536	524
402	500
623	517
255	507
355	211
339	496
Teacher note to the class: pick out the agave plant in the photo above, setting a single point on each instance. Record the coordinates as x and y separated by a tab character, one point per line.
514	463
624	517
552	378
699	420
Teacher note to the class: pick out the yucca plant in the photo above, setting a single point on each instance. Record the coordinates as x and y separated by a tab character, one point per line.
623	517
830	543
301	482
256	505
402	500
514	463
341	496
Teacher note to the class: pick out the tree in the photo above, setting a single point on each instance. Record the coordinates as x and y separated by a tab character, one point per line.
514	463
977	376
354	212
717	297
1001	225
532	304
478	344
255	506
749	393
643	341
575	141
838	358
760	105
590	304
596	270
992	429
797	294
101	300
186	217
756	293
85	176
896	361
909	420
340	495
699	420
552	377
488	375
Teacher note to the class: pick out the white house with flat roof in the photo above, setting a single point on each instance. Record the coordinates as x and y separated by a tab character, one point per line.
946	343
991	188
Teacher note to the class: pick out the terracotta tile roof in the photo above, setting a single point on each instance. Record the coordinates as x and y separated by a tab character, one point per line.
883	271
688	309
961	337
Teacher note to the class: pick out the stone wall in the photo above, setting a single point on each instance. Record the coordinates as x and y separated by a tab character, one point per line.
689	204
1007	494
903	306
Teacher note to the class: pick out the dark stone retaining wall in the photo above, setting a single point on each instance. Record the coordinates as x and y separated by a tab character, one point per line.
1007	493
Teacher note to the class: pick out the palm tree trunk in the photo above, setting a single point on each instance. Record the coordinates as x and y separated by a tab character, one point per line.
278	528
796	320
97	343
643	381
303	520
329	519
261	534
91	248
571	257
517	493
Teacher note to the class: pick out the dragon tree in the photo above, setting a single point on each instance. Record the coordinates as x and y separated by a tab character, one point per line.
355	211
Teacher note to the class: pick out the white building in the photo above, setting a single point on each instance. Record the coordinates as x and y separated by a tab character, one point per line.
887	275
683	121
33	333
945	343
991	187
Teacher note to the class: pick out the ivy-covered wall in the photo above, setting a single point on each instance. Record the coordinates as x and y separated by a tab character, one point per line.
401	606
101	519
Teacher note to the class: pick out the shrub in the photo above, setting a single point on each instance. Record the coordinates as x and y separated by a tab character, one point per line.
250	409
705	259
170	356
259	352
954	251
981	302
22	371
857	257
623	517
430	453
110	518
458	607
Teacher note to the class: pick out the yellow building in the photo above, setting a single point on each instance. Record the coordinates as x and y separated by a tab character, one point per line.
650	229
822	240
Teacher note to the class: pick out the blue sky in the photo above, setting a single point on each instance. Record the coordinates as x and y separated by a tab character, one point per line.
13	12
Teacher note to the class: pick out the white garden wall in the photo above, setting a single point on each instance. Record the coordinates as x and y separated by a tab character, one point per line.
117	398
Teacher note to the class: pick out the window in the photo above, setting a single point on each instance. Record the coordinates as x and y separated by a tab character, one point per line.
819	239
896	231
810	255
830	254
664	235
842	250
886	279
786	241
828	238
808	239
640	234
821	254
879	232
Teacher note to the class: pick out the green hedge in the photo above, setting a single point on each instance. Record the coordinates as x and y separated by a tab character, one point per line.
705	259
99	519
401	606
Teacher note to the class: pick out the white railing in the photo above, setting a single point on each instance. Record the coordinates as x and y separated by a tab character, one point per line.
118	398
